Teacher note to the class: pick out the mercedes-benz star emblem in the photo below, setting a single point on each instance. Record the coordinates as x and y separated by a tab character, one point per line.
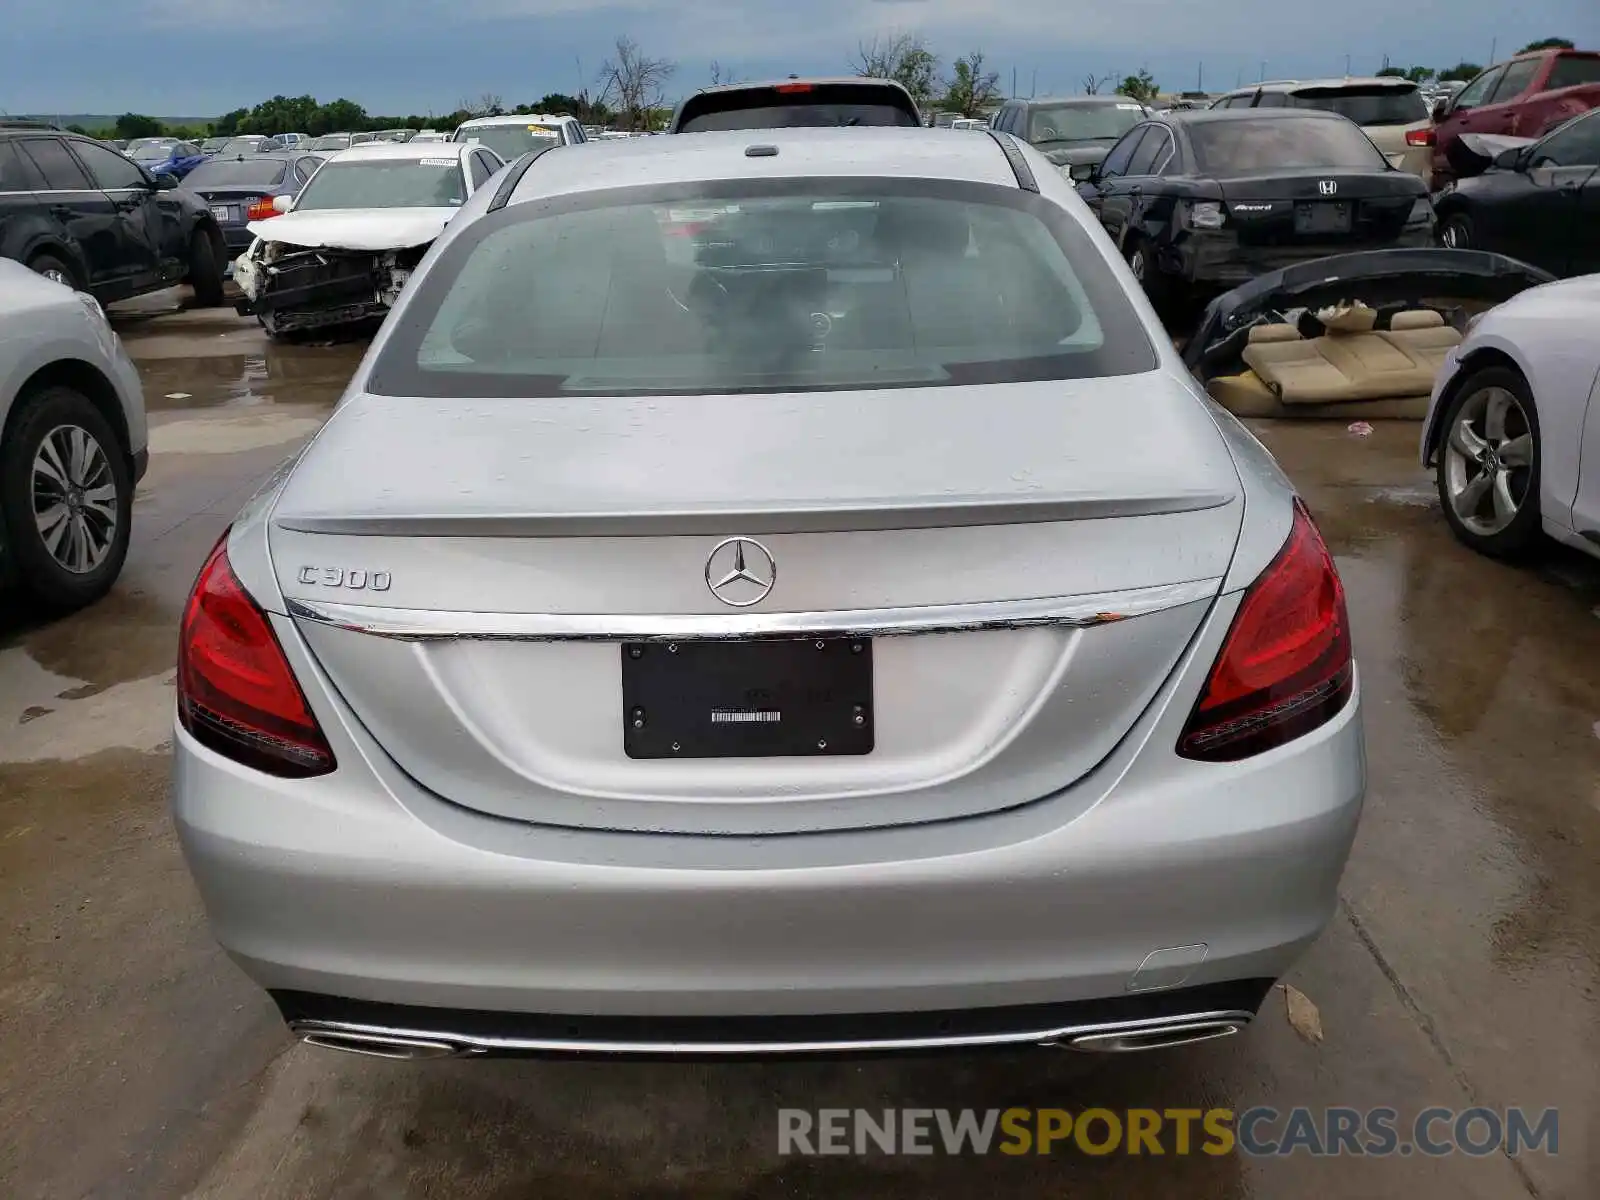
740	572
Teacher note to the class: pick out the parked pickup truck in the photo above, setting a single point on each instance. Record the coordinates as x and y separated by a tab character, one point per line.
1525	97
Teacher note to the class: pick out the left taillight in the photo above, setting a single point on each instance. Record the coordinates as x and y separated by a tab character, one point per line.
1421	137
236	692
1286	666
260	209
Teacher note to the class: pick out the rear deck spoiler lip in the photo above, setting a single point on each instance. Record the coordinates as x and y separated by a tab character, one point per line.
1373	276
931	513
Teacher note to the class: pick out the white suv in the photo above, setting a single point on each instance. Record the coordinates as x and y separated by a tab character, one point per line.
513	136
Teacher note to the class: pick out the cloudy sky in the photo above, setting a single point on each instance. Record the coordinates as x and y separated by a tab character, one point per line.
203	57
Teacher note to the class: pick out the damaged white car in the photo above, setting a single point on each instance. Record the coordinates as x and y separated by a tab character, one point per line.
340	252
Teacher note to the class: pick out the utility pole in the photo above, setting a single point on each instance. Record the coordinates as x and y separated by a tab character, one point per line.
1262	78
1493	47
1347	66
1013	83
1200	78
1033	88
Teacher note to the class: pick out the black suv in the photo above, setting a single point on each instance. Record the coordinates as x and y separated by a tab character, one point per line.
77	211
795	103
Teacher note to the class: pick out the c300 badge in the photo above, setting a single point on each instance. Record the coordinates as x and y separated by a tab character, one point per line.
354	579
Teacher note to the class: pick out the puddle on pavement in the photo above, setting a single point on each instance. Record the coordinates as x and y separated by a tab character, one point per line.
299	375
97	680
126	636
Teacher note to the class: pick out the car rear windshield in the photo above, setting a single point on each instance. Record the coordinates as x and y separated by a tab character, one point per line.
332	141
511	142
808	106
1366	105
386	183
151	153
772	286
1570	70
1265	146
241	146
248	172
1083	122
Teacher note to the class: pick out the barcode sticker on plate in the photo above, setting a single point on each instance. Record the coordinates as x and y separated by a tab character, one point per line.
723	716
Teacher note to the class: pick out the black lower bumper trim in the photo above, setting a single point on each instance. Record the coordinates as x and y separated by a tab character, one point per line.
679	1035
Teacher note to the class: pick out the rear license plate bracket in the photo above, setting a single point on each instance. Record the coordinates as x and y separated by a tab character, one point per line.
1330	217
790	697
222	212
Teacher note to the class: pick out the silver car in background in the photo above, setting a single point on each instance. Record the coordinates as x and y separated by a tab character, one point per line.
72	442
855	632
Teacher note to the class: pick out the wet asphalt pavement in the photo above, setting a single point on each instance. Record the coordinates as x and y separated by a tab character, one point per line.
1463	967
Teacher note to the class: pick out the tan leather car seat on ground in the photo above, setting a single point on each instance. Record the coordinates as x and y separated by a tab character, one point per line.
1352	372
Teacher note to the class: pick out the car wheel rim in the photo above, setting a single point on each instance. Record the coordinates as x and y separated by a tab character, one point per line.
56	276
74	499
1454	236
1488	461
1136	264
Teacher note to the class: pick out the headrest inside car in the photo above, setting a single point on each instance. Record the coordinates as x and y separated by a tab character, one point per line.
1273	333
1348	318
1416	318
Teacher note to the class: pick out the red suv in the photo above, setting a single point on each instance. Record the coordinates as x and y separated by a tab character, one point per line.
1526	97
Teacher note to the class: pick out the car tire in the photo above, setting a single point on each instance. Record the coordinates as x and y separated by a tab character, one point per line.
205	270
1490	496
1456	232
1142	262
52	267
86	557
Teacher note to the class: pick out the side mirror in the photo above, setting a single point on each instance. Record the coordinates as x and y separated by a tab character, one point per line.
282	204
164	181
1440	108
1510	160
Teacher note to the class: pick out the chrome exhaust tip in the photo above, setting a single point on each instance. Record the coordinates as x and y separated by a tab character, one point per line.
1155	1037
375	1045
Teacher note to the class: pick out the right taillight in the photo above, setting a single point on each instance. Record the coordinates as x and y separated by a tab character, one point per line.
1286	665
236	692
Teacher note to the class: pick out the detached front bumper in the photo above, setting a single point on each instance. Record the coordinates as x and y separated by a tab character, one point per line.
1217	259
292	289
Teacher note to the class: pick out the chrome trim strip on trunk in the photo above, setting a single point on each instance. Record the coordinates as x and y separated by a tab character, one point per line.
923	513
412	624
408	1043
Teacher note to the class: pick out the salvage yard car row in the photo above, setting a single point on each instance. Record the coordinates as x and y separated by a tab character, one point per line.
1049	625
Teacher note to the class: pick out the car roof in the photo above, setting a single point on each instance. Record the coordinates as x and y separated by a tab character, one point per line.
517	119
811	80
857	152
1200	116
287	154
1076	101
1293	85
370	151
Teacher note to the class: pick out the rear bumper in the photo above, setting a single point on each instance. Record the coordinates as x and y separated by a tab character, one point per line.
1219	260
1134	1021
361	886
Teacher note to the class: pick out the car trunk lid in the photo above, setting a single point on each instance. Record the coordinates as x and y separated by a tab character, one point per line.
1341	209
1023	565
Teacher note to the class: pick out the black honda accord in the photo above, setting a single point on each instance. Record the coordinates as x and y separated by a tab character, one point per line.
1201	201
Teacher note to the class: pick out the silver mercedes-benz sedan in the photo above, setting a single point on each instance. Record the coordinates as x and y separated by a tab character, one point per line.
770	593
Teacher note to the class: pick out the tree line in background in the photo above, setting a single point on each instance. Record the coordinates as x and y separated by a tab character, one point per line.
1462	70
631	93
